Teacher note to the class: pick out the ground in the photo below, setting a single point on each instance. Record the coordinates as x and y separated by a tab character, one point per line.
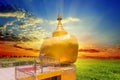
86	69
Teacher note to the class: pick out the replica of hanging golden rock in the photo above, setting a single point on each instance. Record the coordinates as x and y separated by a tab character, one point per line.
62	45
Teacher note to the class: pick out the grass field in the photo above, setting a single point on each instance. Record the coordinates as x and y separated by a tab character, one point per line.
98	69
14	59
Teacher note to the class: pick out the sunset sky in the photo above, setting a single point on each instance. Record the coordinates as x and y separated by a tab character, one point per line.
91	21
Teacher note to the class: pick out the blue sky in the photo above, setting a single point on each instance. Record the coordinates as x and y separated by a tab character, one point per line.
96	21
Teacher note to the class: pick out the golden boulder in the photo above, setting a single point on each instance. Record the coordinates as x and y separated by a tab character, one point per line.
62	45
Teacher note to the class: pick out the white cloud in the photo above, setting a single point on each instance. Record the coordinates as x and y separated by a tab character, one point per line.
5	25
31	22
66	20
17	14
25	20
52	22
71	19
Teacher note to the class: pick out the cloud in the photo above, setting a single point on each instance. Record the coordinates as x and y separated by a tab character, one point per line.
66	20
5	26
71	19
17	14
25	25
31	21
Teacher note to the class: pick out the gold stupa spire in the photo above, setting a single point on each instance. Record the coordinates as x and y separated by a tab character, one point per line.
59	26
59	30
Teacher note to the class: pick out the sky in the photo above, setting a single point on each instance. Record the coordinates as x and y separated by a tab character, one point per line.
91	21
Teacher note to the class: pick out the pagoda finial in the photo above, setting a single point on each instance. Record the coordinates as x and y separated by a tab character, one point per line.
59	30
59	17
59	26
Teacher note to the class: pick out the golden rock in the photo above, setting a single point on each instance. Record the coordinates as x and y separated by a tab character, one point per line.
62	45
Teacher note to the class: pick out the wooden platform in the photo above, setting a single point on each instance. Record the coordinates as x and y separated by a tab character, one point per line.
64	73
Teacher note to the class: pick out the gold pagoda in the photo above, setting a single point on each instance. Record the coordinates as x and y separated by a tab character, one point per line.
61	45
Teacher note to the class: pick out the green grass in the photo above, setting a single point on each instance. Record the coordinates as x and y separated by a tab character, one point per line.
98	69
15	59
10	62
